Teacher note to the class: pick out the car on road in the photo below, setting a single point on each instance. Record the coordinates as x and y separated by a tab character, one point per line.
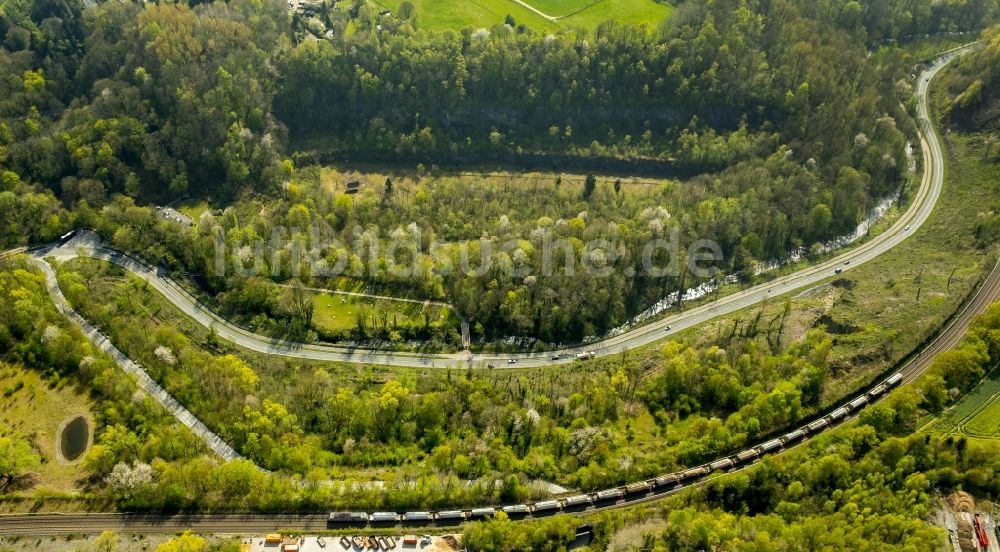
586	355
847	262
838	271
491	365
907	227
556	357
511	361
667	328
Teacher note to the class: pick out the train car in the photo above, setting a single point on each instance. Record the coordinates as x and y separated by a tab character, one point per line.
723	464
418	517
639	488
384	517
771	445
609	495
894	379
516	511
858	402
481	513
838	413
666	480
877	390
576	502
545	508
695	472
793	436
450	517
748	454
348	518
817	425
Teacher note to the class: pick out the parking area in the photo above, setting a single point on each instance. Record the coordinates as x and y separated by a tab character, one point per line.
169	213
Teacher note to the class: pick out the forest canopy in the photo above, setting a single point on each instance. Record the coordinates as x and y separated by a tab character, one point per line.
781	132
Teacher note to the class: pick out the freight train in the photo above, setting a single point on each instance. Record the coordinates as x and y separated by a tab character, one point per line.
624	494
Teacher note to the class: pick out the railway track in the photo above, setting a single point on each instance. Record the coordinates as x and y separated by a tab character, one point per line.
988	293
65	524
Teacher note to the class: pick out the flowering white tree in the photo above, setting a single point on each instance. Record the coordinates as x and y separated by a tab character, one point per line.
125	479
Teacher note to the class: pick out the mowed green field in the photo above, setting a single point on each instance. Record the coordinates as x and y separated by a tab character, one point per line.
335	312
977	416
457	14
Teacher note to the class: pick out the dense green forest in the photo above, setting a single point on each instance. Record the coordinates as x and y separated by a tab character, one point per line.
792	133
136	434
856	489
614	422
976	88
868	486
468	424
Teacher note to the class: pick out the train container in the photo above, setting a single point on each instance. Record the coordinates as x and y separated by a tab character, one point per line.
351	518
576	502
858	402
545	508
609	494
695	472
793	436
639	488
516	511
417	517
384	517
723	464
480	513
450	517
877	390
666	480
771	445
894	379
747	454
818	425
838	413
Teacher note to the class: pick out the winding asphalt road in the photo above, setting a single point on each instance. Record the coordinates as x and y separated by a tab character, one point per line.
915	216
912	219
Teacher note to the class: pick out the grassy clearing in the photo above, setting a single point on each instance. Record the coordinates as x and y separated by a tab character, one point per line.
29	406
193	208
977	416
635	12
445	15
333	178
559	8
337	312
457	14
986	422
922	48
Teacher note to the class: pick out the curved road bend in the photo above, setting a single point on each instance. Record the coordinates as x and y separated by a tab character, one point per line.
913	218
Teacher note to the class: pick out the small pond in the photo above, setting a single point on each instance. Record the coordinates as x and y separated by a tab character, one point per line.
74	438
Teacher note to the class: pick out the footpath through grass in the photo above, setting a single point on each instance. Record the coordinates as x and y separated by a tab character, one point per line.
441	15
977	416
